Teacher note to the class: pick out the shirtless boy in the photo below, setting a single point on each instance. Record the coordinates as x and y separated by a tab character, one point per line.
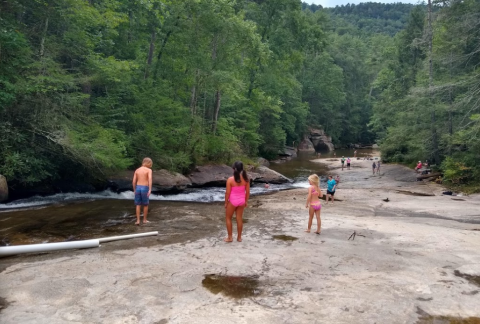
142	187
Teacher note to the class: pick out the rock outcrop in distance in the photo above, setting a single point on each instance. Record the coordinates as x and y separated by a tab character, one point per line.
316	140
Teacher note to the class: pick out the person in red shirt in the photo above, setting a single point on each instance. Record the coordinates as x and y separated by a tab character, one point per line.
419	166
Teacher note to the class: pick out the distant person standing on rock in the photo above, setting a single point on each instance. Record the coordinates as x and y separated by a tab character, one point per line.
313	201
236	199
331	187
374	167
418	167
378	167
355	153
348	163
343	162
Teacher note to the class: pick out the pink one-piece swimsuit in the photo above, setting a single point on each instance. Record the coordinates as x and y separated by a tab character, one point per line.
237	196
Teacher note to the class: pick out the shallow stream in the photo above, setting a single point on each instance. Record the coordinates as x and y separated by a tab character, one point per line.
74	216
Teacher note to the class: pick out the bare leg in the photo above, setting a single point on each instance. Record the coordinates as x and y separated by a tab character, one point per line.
319	221
138	214
310	218
228	218
333	199
239	213
145	213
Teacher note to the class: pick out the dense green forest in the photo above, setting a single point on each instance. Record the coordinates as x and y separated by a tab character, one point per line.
90	87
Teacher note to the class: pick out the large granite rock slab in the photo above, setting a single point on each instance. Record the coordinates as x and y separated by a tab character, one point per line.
163	181
3	189
217	175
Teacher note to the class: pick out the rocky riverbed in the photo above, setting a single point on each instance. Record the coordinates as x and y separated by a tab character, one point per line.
411	259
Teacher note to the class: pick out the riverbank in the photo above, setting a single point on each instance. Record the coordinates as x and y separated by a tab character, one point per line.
412	257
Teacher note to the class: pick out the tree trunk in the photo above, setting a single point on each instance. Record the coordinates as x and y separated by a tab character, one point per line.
150	53
42	41
164	43
217	109
436	158
193	101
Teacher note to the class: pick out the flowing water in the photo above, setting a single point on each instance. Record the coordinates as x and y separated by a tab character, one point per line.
74	216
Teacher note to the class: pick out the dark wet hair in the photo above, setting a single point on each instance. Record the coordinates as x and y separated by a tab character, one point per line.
237	169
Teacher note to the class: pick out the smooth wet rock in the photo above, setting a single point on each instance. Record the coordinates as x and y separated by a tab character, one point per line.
3	189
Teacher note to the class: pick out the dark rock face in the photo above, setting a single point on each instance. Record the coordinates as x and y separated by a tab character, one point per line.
306	145
320	141
163	181
3	189
71	186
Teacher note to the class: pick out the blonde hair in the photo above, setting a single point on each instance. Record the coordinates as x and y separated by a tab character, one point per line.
147	162
314	179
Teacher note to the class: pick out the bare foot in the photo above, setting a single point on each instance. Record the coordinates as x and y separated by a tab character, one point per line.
137	223
228	239
239	239
145	222
307	231
317	233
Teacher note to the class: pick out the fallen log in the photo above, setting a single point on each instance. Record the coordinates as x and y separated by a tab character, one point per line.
425	176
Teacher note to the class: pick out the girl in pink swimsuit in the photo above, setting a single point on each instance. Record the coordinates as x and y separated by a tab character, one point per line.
236	199
313	199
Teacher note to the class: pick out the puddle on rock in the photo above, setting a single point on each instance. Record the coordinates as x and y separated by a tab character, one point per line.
473	279
285	237
232	286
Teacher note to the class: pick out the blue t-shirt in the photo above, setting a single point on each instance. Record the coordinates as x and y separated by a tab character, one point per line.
330	185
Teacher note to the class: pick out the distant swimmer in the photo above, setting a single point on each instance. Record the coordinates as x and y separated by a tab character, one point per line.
236	199
142	187
313	201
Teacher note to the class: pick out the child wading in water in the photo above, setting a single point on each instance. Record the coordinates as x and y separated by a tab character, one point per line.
236	199
142	187
313	199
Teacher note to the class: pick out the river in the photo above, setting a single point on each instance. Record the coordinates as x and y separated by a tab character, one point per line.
73	216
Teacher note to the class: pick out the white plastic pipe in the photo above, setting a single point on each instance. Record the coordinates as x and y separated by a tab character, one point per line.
125	237
46	247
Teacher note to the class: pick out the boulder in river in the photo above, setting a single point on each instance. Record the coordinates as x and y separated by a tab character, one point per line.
163	181
263	162
263	174
217	175
3	189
